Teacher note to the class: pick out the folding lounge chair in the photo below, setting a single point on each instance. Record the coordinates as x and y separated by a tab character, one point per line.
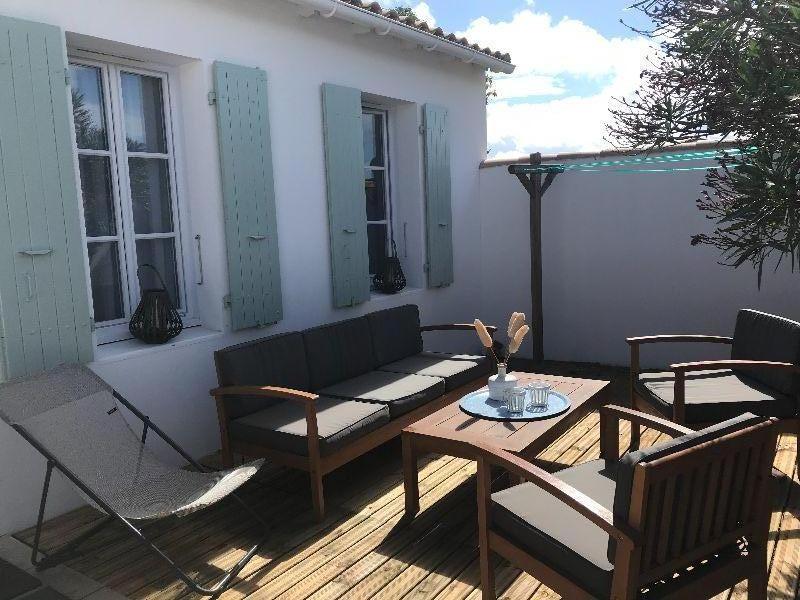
71	417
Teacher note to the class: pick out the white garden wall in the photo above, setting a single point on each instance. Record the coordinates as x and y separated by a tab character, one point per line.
617	262
171	383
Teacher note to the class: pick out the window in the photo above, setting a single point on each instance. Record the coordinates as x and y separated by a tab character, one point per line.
376	184
127	174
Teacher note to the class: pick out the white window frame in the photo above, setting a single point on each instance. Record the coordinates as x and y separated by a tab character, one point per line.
386	168
111	69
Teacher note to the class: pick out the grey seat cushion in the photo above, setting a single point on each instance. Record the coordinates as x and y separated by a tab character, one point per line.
283	426
555	534
395	333
278	361
455	370
402	393
713	396
761	336
339	351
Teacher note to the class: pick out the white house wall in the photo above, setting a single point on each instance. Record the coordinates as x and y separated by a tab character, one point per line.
171	383
617	262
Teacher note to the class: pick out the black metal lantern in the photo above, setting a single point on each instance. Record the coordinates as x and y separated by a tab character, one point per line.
391	278
155	320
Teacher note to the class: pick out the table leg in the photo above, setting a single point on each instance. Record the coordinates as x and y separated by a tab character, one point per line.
410	475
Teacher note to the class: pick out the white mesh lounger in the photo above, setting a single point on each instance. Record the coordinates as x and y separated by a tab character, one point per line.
71	417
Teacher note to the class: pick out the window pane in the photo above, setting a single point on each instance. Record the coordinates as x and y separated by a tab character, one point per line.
374	185
159	253
373	139
150	195
106	286
98	199
88	109
144	113
376	236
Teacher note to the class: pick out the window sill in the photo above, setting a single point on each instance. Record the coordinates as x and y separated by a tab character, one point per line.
123	350
381	297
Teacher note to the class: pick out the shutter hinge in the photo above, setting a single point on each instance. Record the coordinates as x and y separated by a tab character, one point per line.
67	78
226	301
92	325
426	267
212	98
422	129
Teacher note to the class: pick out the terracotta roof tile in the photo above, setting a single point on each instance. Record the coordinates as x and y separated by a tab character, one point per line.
392	14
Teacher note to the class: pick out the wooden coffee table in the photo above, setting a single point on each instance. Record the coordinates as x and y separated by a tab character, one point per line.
451	432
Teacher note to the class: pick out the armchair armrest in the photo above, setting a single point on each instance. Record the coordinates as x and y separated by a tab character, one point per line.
653	339
708	365
610	416
565	493
266	392
456	327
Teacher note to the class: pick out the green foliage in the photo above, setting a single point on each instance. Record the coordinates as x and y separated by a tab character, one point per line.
728	69
406	11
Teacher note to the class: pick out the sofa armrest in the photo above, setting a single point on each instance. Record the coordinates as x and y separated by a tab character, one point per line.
565	493
266	392
456	327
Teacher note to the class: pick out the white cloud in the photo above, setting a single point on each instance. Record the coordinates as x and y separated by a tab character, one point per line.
547	54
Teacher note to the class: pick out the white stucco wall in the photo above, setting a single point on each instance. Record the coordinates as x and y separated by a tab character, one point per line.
171	383
617	262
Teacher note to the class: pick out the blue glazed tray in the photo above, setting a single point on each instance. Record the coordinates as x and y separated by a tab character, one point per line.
478	404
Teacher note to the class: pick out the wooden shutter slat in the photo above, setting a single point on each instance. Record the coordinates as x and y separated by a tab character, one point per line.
438	197
44	298
347	204
248	191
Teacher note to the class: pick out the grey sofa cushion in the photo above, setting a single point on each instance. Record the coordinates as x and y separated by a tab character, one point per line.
395	333
555	534
278	360
627	464
713	396
761	336
455	371
402	393
339	351
283	426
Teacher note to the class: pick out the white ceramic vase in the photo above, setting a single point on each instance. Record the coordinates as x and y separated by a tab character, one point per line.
500	382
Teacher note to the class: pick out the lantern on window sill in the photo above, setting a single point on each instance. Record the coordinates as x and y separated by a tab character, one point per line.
155	320
390	279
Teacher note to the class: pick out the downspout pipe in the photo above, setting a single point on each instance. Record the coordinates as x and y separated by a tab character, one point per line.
384	26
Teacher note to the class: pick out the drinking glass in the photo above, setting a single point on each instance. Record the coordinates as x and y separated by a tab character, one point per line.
540	390
515	400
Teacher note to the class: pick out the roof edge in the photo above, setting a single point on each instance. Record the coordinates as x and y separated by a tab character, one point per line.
383	25
564	156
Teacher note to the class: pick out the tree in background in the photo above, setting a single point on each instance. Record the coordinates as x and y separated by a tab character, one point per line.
728	70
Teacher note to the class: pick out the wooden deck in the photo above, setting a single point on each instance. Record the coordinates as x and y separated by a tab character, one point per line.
363	549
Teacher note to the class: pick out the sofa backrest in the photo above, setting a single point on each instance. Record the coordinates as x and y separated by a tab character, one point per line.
762	336
339	351
395	333
279	361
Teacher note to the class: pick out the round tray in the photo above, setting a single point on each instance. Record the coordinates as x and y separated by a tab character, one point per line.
478	404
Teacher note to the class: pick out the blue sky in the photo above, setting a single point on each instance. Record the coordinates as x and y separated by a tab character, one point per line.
573	58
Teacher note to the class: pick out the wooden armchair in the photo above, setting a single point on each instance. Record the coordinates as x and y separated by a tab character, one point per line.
762	376
687	518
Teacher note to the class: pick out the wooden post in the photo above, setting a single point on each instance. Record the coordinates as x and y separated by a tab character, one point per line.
537	312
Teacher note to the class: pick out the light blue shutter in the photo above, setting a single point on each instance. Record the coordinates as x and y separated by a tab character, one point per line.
248	192
347	203
438	211
43	286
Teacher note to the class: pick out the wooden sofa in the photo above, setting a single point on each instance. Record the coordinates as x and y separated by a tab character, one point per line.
315	400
